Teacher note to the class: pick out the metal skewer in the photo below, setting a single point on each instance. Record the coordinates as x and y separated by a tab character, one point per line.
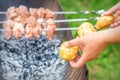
81	12
76	20
64	29
69	20
2	12
57	29
73	12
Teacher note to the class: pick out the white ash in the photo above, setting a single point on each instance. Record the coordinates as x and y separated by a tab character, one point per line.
31	59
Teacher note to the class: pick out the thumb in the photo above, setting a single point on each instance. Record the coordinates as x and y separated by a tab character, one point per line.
73	42
79	63
113	9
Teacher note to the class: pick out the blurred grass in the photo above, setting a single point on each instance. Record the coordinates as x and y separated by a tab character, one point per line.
106	66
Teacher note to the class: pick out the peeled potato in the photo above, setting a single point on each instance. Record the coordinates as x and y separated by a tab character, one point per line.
104	21
68	53
85	28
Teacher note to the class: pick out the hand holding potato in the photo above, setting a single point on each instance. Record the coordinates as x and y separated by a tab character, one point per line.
72	53
68	53
104	21
116	11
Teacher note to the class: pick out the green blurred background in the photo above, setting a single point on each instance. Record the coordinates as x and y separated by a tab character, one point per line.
107	65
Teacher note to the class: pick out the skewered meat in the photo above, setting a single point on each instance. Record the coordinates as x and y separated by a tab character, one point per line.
8	33
50	30
41	12
32	19
28	32
18	30
38	29
22	14
33	12
49	13
23	11
8	25
21	19
11	13
39	21
31	23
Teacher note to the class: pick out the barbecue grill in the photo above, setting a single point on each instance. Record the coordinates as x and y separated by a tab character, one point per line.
19	58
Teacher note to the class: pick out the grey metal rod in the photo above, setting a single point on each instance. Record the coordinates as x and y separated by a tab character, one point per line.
2	12
73	12
81	12
64	29
57	29
69	20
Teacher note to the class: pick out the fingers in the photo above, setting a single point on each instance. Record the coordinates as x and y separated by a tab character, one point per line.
75	42
71	43
116	22
117	14
80	61
113	9
117	19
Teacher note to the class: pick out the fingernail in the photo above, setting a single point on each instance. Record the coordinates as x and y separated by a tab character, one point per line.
66	44
105	13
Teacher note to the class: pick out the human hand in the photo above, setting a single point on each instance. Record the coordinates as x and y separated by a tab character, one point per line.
91	45
115	9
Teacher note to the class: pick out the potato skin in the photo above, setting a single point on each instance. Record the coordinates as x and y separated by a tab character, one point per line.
104	21
85	28
71	53
68	53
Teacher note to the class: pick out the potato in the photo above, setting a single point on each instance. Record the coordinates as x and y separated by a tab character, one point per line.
71	53
104	21
68	53
85	28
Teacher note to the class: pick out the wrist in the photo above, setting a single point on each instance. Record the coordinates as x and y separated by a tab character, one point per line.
111	36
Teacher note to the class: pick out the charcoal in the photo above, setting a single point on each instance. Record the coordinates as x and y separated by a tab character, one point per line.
0	47
12	50
31	59
26	64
